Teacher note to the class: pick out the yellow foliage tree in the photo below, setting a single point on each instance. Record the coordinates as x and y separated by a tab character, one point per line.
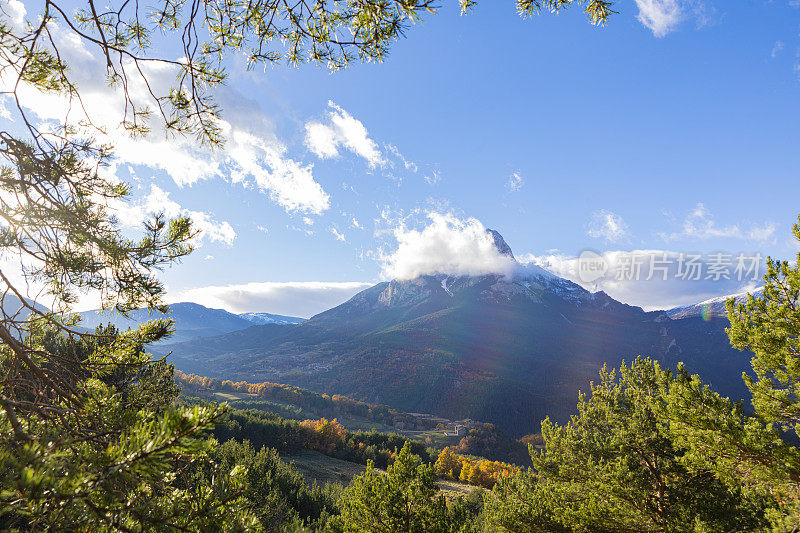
447	464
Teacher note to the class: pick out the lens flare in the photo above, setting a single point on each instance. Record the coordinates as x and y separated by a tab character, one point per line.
705	313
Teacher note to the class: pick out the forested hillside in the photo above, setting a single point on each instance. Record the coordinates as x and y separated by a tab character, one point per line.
505	351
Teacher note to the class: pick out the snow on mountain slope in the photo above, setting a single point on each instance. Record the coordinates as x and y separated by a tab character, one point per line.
268	318
713	307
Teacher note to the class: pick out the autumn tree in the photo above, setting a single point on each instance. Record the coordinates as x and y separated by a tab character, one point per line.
447	464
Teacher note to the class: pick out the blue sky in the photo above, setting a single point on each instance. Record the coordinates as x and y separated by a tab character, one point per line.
676	127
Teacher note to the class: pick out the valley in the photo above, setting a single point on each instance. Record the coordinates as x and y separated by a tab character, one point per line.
509	350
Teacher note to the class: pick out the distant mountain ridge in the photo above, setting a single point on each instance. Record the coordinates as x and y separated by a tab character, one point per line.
711	308
268	318
191	320
503	349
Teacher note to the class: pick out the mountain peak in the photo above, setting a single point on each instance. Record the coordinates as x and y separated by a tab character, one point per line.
500	243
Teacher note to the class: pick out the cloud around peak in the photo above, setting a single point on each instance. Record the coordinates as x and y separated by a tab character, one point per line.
448	245
659	279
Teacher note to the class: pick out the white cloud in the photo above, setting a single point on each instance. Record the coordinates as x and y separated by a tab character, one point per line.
12	13
699	224
607	225
447	245
252	156
664	16
342	130
305	230
294	298
433	178
288	182
355	224
4	112
660	16
183	162
158	201
336	233
680	286
762	233
262	229
776	49
515	182
408	165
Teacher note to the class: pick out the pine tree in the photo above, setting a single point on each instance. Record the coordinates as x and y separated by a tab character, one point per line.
752	450
615	467
404	499
119	465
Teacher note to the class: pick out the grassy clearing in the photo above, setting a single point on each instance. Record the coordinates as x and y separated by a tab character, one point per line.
452	490
319	468
230	396
315	466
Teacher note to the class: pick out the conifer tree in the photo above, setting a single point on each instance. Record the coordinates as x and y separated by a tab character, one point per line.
616	467
404	499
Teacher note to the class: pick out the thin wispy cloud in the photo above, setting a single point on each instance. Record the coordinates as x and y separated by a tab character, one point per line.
337	234
608	226
409	165
699	224
433	177
515	182
762	233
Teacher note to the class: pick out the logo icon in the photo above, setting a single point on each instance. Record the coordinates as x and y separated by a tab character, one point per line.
591	266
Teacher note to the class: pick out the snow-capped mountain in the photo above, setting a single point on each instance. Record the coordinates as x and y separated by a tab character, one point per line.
713	307
268	318
526	281
509	349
